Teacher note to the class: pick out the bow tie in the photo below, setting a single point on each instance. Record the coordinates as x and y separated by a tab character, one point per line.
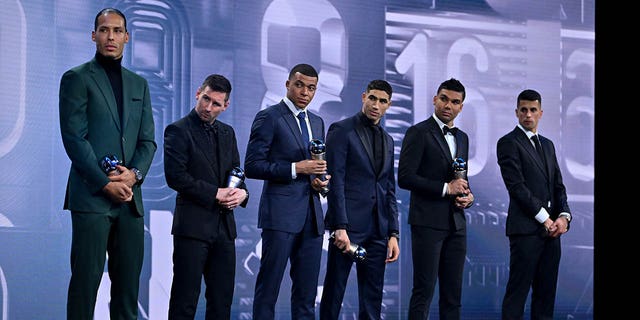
446	129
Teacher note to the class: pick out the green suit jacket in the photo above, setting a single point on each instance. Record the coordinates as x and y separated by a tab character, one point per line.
90	127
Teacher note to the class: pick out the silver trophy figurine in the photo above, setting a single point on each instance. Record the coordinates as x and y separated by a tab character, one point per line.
357	252
317	150
236	177
459	167
108	164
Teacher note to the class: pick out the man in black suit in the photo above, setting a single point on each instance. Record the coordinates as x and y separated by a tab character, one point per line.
105	113
199	154
362	204
290	213
538	212
438	200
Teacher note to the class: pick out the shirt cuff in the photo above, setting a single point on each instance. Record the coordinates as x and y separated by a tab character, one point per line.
444	189
542	215
293	171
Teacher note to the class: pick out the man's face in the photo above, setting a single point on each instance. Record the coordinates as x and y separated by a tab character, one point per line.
301	89
447	105
529	113
210	104
374	104
110	36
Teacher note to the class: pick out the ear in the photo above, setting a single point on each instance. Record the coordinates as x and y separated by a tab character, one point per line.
93	36
126	37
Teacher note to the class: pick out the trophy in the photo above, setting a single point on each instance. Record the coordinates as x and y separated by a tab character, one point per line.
108	164
357	252
459	167
236	177
317	148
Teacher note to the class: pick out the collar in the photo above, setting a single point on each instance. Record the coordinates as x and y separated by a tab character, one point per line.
108	63
527	132
440	123
292	107
367	121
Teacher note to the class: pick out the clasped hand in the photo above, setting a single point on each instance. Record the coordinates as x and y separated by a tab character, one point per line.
230	198
119	188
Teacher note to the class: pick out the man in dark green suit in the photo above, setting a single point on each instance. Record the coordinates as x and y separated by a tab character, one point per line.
105	110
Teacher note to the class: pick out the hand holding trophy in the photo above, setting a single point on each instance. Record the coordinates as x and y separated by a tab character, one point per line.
357	252
459	167
109	164
317	150
236	177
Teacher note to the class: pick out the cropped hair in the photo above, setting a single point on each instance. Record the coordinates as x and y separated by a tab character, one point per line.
108	11
304	69
380	85
217	83
453	85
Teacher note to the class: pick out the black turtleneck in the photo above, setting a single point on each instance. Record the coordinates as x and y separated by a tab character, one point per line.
375	135
113	69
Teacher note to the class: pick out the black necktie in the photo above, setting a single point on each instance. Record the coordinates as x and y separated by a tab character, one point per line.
378	153
536	142
303	127
446	129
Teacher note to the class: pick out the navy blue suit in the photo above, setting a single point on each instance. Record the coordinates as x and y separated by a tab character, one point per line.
438	227
534	258
363	202
290	212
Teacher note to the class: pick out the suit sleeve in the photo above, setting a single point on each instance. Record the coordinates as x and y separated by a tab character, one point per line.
559	190
512	174
176	161
259	163
337	145
391	201
74	124
412	157
145	145
235	160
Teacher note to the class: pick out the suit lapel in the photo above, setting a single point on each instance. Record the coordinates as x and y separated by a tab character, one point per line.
126	96
201	140
102	81
364	138
292	122
436	132
524	141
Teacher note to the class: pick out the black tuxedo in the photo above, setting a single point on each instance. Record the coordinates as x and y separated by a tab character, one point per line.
532	183
438	227
204	232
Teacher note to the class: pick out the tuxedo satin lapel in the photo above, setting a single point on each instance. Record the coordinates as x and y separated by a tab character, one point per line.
444	146
102	81
460	146
364	138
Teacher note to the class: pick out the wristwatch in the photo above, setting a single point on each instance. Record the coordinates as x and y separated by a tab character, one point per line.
138	175
395	235
566	215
